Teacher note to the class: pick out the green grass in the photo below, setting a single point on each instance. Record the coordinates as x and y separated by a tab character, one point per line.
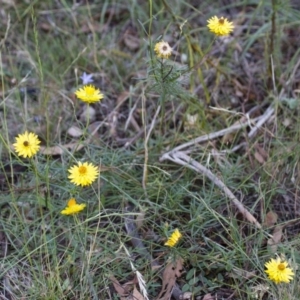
44	49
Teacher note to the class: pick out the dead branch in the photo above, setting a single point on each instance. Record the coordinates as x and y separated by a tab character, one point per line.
182	159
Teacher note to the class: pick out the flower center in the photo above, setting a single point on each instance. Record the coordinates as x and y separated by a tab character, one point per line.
26	144
71	202
82	170
221	21
89	91
281	267
164	48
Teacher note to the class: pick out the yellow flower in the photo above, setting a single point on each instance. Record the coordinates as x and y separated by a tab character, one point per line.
162	50
27	144
278	270
83	174
89	94
72	208
220	26
174	238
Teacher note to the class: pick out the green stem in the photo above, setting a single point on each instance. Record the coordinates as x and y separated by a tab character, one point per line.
163	96
151	17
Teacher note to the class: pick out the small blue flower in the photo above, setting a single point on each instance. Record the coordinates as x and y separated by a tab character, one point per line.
86	78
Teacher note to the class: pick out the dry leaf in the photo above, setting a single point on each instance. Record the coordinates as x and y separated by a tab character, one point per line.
186	296
171	273
45	26
132	42
137	295
122	98
75	131
122	291
130	37
59	150
208	297
270	220
276	238
287	122
262	152
259	157
88	115
155	267
92	27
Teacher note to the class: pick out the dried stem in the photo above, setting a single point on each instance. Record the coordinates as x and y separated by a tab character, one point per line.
184	160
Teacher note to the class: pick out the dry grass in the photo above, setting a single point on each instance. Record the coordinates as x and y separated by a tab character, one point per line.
238	96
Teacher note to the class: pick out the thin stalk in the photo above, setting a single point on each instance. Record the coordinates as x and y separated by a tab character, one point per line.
272	42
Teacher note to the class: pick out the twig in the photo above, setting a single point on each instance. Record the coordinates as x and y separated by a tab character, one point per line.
184	160
209	136
235	148
264	118
146	147
130	118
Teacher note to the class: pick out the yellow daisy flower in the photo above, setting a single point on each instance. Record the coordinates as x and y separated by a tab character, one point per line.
83	174
73	208
162	50
27	144
89	94
220	26
278	271
174	238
